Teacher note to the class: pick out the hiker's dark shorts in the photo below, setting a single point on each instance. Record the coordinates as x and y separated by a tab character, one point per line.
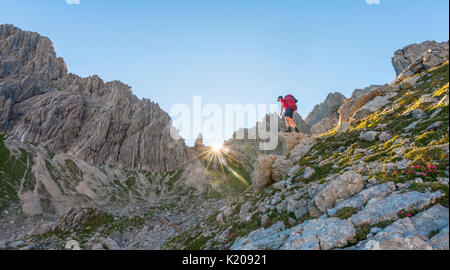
289	113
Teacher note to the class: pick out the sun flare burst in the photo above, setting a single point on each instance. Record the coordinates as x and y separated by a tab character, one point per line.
217	147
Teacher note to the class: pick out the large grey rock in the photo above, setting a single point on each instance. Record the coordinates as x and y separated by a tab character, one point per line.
302	147
320	234
280	168
387	209
262	239
360	92
398	236
359	200
433	219
412	233
16	244
311	235
351	105
404	57
440	241
425	56
344	187
369	136
324	125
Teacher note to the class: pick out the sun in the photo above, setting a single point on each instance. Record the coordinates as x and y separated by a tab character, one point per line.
217	147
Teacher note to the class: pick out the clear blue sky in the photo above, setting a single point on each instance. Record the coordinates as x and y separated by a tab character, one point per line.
233	51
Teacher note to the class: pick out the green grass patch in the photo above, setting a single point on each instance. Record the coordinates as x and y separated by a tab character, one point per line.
345	212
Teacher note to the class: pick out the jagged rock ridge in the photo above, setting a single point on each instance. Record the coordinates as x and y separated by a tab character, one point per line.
404	57
325	115
99	122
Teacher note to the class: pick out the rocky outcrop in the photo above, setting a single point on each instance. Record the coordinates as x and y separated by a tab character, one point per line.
358	201
360	92
75	218
370	186
343	187
319	234
372	106
99	122
263	172
299	145
412	233
325	115
409	61
359	107
404	57
432	57
386	209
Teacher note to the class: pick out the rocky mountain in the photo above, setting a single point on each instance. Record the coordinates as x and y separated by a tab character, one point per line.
102	123
325	115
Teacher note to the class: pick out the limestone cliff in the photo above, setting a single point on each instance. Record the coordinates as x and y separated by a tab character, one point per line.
102	123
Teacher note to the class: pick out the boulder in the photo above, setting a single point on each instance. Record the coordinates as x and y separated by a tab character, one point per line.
386	209
440	241
110	244
262	176
101	123
370	136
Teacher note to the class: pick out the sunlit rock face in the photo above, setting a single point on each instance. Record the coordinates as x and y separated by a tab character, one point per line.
325	115
404	57
99	122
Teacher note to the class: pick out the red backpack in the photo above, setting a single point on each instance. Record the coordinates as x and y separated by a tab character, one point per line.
291	102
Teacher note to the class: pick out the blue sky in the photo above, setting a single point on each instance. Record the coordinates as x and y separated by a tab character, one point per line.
233	51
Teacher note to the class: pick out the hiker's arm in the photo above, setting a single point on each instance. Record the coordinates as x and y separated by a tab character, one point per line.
282	108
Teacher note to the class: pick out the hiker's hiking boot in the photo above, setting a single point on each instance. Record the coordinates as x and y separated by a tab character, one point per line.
296	130
289	130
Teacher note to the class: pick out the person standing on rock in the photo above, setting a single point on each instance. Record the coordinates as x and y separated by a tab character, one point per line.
289	105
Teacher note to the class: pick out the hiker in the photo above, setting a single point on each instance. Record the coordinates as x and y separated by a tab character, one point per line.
289	105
